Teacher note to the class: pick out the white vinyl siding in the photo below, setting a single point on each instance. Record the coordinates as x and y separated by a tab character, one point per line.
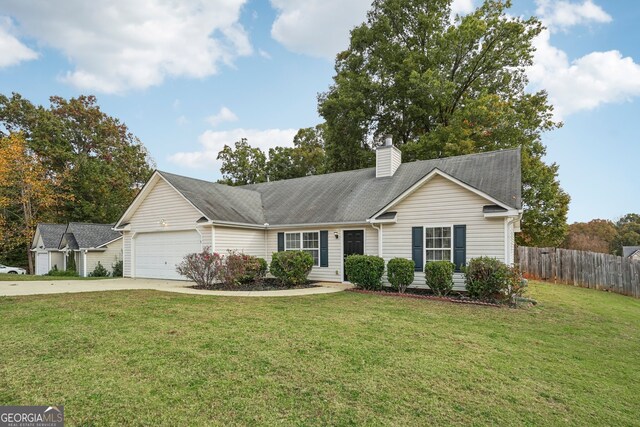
441	200
370	241
164	203
388	159
57	260
245	240
107	257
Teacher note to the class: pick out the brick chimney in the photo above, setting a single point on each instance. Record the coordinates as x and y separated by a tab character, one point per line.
388	158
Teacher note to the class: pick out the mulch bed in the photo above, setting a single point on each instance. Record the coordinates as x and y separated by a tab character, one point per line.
423	296
268	284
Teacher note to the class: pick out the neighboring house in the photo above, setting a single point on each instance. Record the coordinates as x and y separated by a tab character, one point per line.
455	208
46	247
632	252
79	244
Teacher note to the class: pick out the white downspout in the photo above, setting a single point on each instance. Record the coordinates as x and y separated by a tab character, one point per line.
379	229
84	263
508	255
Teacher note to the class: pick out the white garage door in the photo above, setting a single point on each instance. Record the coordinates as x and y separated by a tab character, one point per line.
157	254
42	263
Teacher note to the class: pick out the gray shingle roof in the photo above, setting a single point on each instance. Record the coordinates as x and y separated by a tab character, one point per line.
51	234
218	201
88	236
627	251
350	196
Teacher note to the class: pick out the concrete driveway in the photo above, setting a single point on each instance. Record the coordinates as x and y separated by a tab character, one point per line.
9	288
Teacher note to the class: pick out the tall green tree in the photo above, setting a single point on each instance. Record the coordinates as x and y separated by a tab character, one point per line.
628	232
242	164
596	235
103	163
306	157
443	88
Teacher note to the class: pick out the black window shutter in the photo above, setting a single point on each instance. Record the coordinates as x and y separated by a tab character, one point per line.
280	242
459	246
324	248
417	247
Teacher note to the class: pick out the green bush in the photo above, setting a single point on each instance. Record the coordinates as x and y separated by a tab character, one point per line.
291	267
99	271
117	269
400	272
255	269
62	273
365	271
438	276
491	279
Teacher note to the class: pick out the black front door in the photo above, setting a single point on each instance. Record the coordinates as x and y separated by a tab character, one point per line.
353	244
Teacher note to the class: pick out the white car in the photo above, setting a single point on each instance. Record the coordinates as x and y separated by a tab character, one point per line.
12	270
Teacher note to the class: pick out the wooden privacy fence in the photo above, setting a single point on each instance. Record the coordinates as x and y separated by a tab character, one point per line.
580	268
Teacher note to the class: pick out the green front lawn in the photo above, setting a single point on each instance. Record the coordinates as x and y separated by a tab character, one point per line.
4	277
152	358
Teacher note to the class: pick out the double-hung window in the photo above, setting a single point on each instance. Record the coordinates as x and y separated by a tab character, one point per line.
438	244
307	241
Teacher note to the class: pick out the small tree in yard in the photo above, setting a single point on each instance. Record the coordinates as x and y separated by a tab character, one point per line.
99	271
438	276
291	267
365	271
203	268
400	272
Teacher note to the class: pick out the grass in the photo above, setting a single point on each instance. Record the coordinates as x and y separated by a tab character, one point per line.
153	358
5	277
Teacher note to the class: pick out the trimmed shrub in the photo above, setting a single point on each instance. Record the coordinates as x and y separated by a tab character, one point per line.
438	276
116	269
256	269
365	271
99	271
62	273
204	267
400	272
491	279
291	267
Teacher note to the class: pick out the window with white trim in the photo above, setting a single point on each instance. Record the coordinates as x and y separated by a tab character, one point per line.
307	241
438	244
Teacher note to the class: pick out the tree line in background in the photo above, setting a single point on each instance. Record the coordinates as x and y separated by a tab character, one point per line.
604	236
440	87
66	162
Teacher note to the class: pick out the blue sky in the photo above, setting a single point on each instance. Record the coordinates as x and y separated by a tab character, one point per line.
191	76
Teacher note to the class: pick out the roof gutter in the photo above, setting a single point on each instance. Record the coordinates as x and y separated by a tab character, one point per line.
511	213
267	226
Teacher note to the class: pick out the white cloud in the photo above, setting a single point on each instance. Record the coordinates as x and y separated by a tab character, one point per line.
462	7
224	115
586	82
12	50
117	45
264	54
563	14
182	120
321	27
213	142
317	27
